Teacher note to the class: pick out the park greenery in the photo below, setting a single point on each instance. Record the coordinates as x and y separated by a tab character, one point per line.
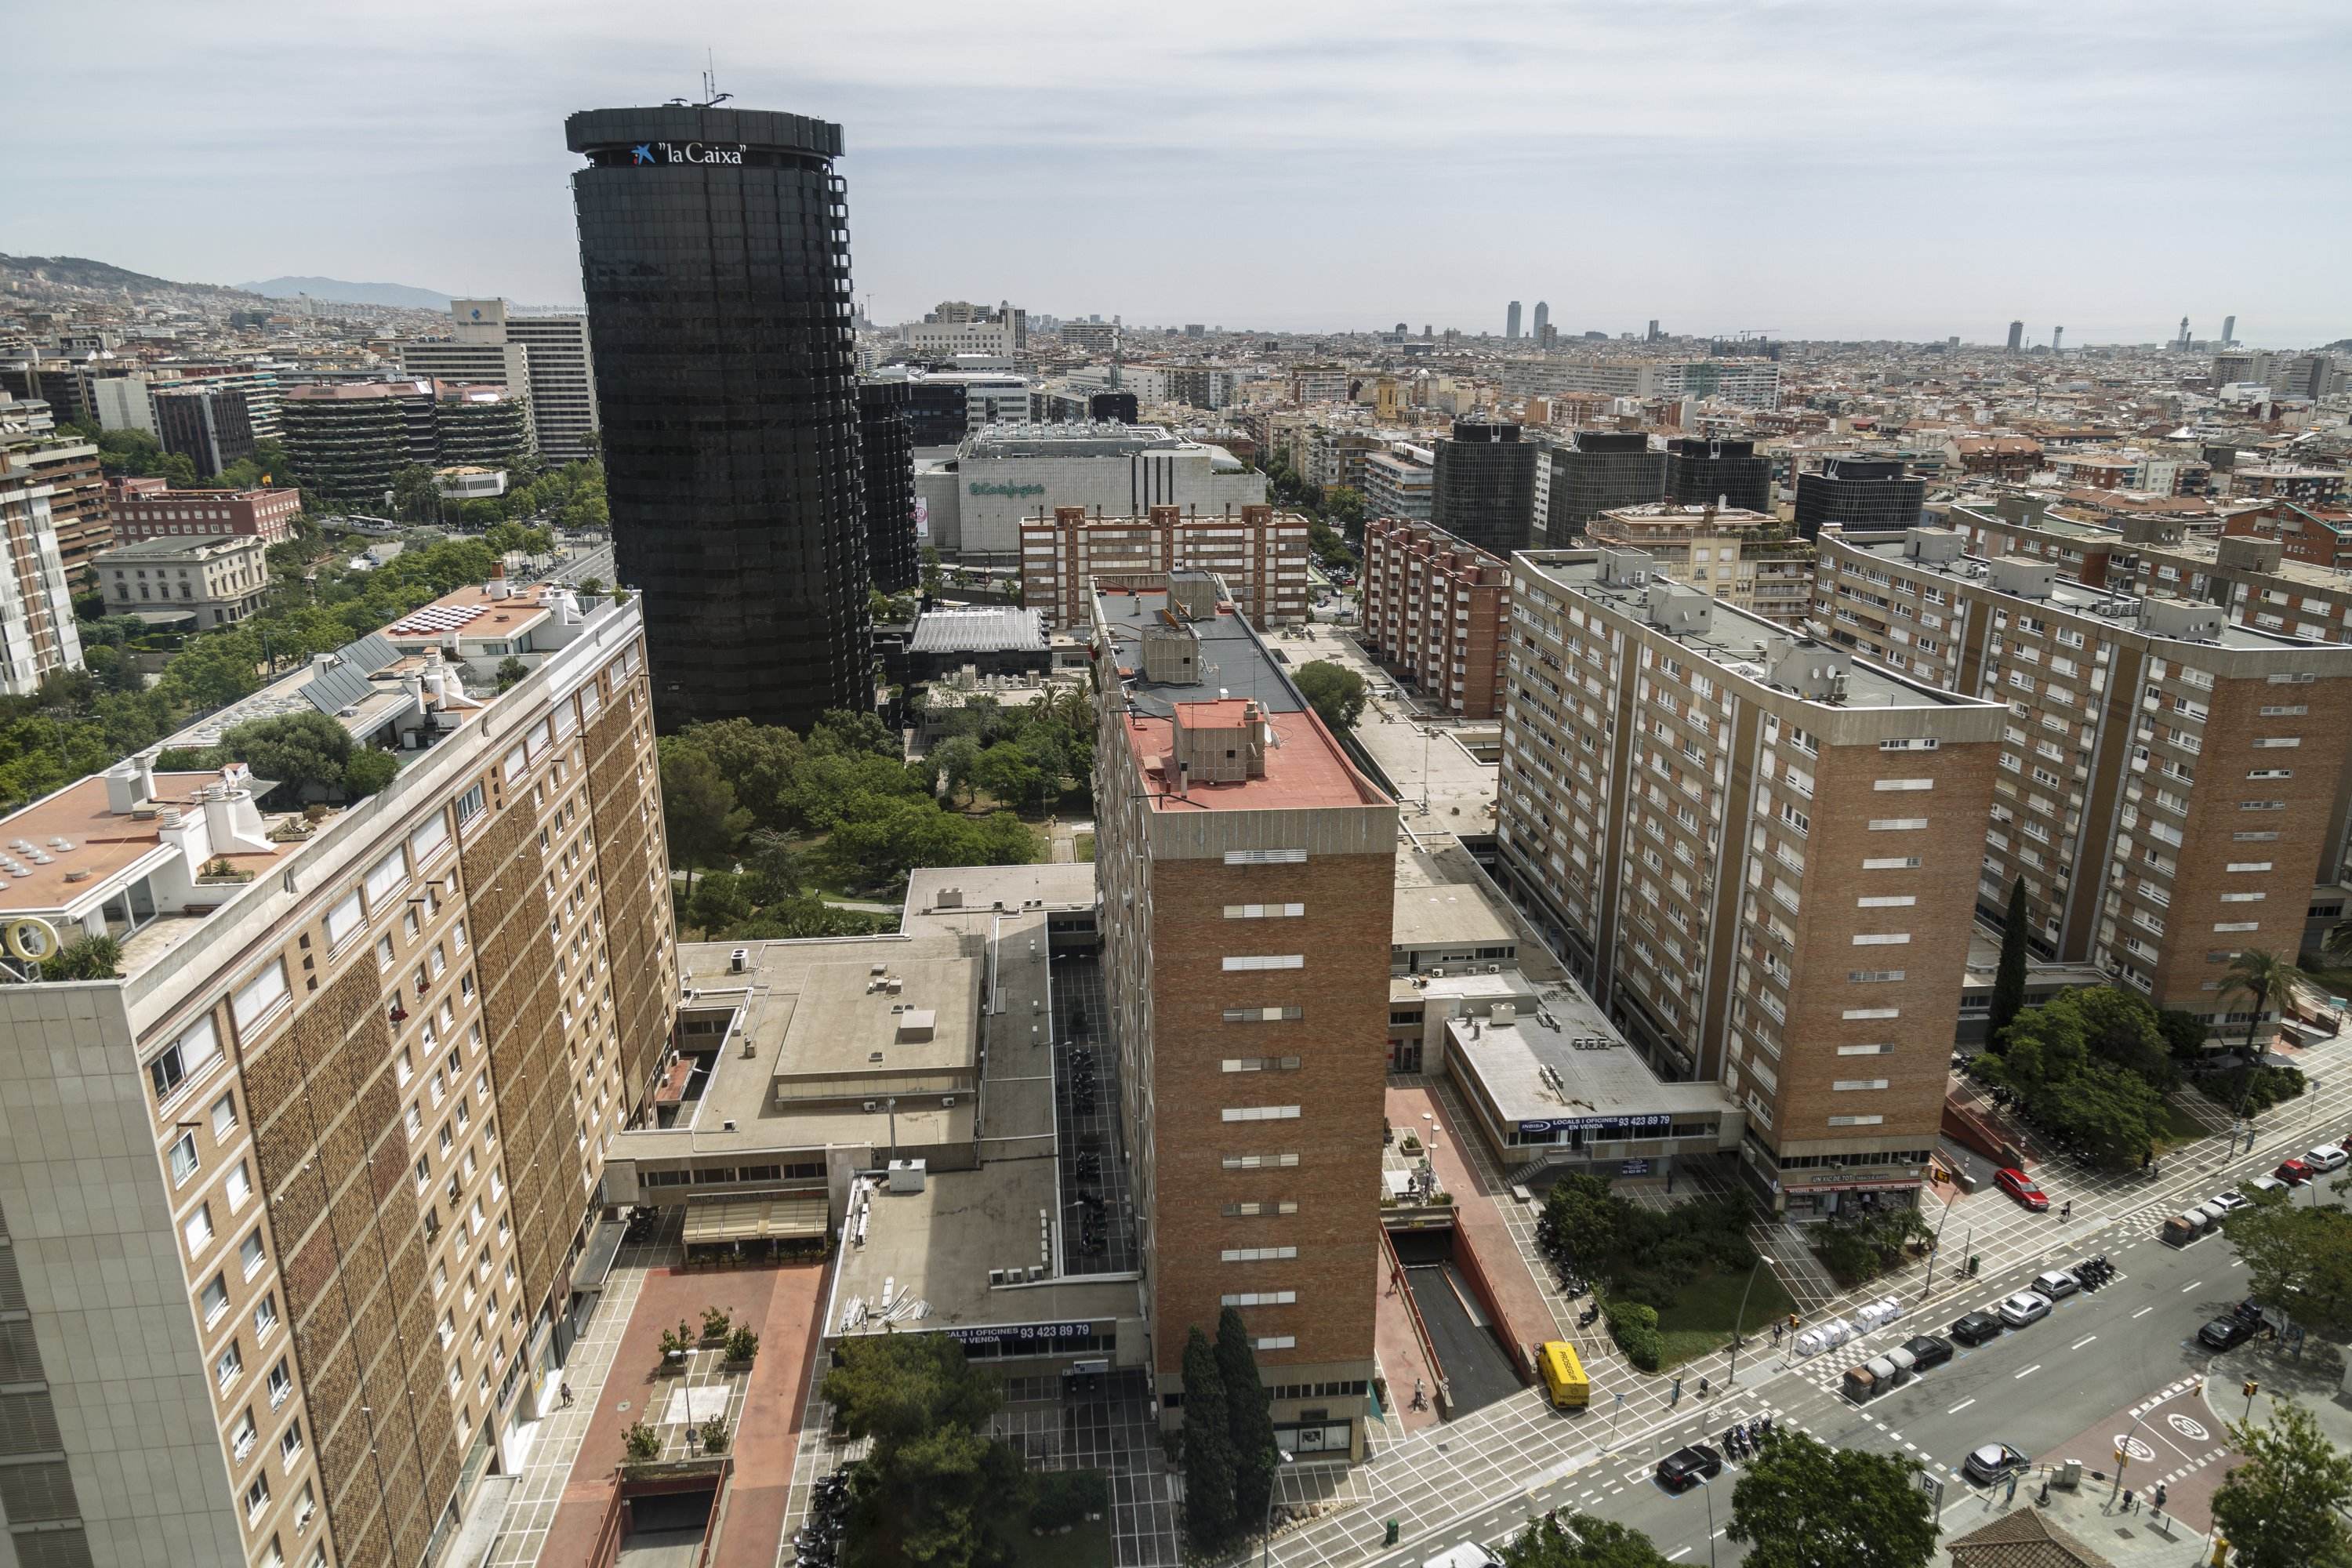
2092	1066
2298	1253
1229	1457
570	497
82	721
1336	693
1858	1245
1580	1540
1799	1503
136	454
2283	1505
760	818
1645	1263
1330	510
938	1488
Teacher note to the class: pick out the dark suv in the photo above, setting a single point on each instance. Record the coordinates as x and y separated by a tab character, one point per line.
1976	1328
1684	1467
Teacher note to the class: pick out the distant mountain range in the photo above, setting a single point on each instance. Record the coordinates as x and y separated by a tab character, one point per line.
335	290
79	273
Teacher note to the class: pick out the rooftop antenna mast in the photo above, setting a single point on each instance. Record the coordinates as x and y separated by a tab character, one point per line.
711	97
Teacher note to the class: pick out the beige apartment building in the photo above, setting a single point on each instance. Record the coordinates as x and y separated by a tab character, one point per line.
1260	554
1728	552
287	1207
1747	845
2171	785
1248	879
218	580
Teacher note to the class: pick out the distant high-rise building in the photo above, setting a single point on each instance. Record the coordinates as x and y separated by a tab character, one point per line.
2057	339
2229	330
2182	340
1654	329
1604	469
1482	490
1859	493
1511	321
2016	336
211	427
720	309
1700	471
1543	316
1425	331
885	445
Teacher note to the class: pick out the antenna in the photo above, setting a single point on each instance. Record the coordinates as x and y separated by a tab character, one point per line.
711	97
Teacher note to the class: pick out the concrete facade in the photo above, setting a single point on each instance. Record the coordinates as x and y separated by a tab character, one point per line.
1260	554
1008	473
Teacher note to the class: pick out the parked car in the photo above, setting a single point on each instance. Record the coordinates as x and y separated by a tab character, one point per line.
2056	1283
2328	1157
1976	1328
1684	1467
1927	1351
2226	1333
2025	1307
1993	1462
2265	1184
2294	1172
2229	1202
2022	1187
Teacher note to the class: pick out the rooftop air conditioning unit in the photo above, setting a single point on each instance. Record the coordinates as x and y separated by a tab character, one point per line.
948	1101
1437	974
739	959
728	1125
869	1105
1494	969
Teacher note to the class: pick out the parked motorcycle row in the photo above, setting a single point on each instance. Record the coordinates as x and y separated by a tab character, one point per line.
818	1543
1742	1440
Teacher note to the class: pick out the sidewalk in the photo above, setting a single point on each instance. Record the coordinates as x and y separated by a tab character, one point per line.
1524	1318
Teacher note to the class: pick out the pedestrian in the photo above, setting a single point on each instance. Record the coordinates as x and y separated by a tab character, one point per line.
1776	1331
2012	1487
1677	1396
2159	1496
2066	1208
1702	1386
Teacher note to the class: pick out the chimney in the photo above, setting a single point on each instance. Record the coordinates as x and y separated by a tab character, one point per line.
122	789
145	765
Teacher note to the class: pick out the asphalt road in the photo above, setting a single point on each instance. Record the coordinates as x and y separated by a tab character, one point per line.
2034	1387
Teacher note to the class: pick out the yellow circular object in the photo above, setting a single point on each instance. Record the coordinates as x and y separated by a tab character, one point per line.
29	938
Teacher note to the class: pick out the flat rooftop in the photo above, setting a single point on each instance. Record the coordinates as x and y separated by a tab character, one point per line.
198	548
1597	1074
982	629
1735	641
2206	552
2065	593
1088	438
1304	765
1447	915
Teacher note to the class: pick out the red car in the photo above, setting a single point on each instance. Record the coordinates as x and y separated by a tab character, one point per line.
2022	1187
2294	1172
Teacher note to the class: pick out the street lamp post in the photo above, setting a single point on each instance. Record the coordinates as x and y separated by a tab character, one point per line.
1731	1376
1266	1544
2123	1457
1705	1486
1936	1250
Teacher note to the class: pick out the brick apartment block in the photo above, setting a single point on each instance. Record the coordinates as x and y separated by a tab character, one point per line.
1259	554
1435	609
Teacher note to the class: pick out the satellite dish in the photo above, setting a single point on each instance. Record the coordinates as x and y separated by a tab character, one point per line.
29	938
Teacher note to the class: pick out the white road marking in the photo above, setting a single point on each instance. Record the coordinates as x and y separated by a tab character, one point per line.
2078	1344
1678	1556
1963	1405
2191	1286
2029	1372
2143	1312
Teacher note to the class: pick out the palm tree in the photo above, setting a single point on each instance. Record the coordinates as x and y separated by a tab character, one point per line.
2338	941
2266	981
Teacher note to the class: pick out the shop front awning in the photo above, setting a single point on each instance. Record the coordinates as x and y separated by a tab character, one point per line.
755	1219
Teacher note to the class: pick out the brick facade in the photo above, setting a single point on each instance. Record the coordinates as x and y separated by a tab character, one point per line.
1435	609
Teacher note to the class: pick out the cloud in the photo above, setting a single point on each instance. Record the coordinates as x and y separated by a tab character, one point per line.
1826	167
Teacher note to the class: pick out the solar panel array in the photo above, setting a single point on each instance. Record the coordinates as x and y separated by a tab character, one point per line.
435	618
345	684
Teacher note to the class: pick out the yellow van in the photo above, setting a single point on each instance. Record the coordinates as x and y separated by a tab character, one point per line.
1563	1375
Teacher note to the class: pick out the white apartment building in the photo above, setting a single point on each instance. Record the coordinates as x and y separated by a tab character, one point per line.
542	359
1400	482
38	635
1006	473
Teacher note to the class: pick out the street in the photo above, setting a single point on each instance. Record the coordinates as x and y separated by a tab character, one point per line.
2072	1384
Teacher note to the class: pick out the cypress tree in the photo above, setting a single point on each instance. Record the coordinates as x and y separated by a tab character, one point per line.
1208	1449
2009	980
1248	1417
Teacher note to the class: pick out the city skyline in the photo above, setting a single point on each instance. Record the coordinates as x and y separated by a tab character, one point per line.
1769	125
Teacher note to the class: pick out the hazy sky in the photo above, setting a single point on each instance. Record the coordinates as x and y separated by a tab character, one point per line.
1901	168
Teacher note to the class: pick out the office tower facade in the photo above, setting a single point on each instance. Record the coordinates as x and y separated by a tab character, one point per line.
1604	469
1436	610
1652	335
886	449
336	1113
1260	554
2171	786
1248	887
1543	317
2057	339
1511	321
2016	336
714	251
562	368
1483	486
1858	493
1400	482
347	439
2229	330
1785	922
1704	471
211	427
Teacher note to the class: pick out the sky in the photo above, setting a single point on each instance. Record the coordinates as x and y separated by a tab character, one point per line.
1912	169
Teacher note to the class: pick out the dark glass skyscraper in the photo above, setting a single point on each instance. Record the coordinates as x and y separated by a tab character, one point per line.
893	554
1484	491
714	251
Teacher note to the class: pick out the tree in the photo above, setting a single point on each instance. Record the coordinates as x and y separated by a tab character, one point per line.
2281	1507
1336	692
2266	981
1345	503
297	752
85	957
698	805
2184	1033
937	1488
1248	1418
2009	980
415	498
2298	1253
1584	1219
510	670
1800	1504
1580	1540
933	576
368	772
1208	1519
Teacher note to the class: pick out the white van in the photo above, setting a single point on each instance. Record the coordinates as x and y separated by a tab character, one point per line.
1469	1554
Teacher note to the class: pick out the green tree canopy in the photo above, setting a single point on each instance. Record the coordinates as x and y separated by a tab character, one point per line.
2283	1506
1248	1418
2298	1253
2009	980
1336	692
936	1488
297	750
1801	1504
1210	1523
698	806
1581	1541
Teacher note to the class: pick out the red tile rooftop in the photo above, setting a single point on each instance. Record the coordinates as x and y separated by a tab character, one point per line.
1303	768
